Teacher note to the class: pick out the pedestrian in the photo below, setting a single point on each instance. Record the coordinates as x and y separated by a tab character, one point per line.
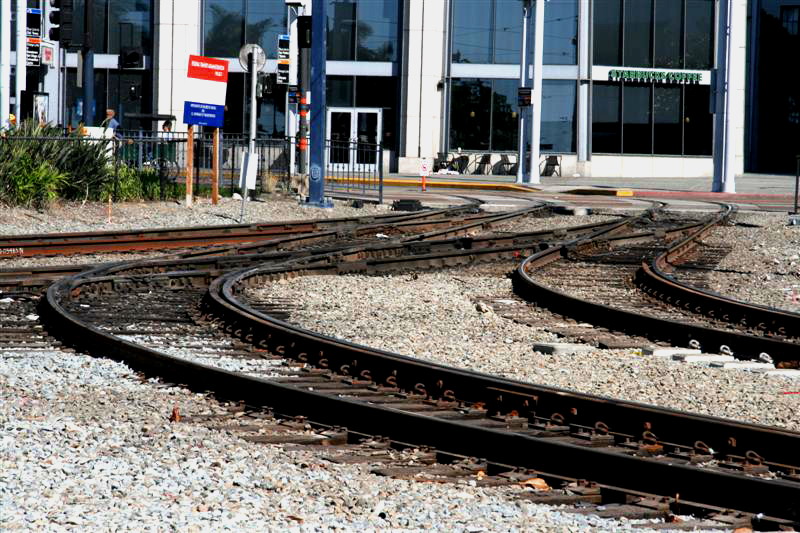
110	122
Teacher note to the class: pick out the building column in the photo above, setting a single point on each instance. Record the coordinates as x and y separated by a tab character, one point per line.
729	119
422	70
178	34
584	94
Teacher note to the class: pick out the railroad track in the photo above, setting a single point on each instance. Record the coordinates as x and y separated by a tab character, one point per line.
563	436
639	297
170	238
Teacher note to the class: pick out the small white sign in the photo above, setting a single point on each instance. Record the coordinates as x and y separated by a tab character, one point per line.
424	169
247	178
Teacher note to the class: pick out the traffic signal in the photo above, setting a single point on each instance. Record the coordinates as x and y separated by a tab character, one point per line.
131	57
61	17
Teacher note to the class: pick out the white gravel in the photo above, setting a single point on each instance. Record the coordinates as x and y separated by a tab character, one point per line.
85	445
764	264
434	316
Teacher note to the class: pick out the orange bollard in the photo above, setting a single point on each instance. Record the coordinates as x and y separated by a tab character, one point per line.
423	183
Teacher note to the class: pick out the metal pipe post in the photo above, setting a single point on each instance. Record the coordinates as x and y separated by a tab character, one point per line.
316	182
523	81
5	61
88	64
251	67
21	74
796	184
536	92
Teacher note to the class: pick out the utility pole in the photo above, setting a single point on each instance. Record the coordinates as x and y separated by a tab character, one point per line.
316	185
536	92
5	61
21	70
523	82
88	63
304	74
724	155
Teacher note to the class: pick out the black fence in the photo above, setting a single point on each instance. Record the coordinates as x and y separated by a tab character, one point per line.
167	152
355	169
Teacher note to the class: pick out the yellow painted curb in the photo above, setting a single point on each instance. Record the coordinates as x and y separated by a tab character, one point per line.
624	192
439	184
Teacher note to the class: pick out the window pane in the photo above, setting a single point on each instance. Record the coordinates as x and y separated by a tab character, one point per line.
224	27
699	34
637	136
127	93
561	32
668	37
379	91
508	30
667	120
558	116
129	24
607	31
638	33
377	31
271	120
605	118
697	121
342	30
469	114
472	31
265	21
504	115
339	91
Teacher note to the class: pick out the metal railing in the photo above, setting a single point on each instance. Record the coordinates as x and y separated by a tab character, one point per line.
355	169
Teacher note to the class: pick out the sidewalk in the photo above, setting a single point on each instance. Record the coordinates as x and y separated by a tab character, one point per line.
749	184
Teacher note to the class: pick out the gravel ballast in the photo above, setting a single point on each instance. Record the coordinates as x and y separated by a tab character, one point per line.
85	444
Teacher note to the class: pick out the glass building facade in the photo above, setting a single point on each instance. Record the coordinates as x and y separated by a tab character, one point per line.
773	121
359	32
483	114
652	118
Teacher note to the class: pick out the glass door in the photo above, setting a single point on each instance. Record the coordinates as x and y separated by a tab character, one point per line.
354	135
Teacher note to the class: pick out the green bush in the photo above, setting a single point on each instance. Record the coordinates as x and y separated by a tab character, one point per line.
30	183
82	165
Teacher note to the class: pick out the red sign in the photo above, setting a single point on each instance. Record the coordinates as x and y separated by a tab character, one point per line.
208	68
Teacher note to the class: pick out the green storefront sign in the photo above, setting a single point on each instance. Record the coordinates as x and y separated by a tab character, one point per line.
655	76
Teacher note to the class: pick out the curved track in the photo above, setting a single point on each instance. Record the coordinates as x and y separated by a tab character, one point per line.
624	444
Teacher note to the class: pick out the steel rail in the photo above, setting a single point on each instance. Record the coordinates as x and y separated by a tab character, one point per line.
655	279
441	382
677	333
163	238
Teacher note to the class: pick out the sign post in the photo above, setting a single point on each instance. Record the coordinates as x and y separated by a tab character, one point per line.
207	85
424	171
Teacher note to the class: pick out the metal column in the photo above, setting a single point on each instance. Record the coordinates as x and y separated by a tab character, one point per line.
536	92
21	66
523	82
5	61
724	154
316	182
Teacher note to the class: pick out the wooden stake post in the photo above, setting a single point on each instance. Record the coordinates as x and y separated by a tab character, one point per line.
189	165
215	169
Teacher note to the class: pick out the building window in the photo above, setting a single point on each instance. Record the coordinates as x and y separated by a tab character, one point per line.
638	34
118	23
229	24
558	116
490	32
606	125
654	33
637	118
470	114
484	115
362	31
561	32
790	18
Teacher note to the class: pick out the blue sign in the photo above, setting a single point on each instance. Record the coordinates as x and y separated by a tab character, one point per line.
201	114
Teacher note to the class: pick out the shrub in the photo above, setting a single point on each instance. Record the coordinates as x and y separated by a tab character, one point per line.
30	183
